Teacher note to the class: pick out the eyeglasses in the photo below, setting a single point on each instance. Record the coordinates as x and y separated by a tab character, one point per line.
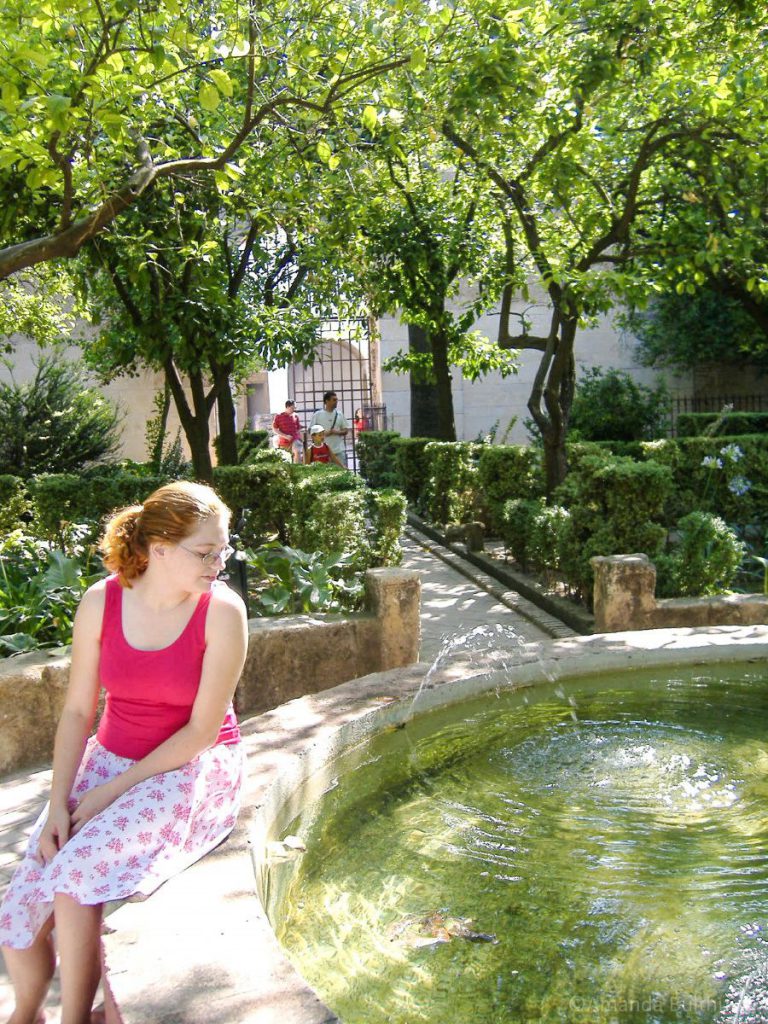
212	557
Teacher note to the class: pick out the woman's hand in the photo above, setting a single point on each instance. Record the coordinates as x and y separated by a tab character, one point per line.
56	832
94	801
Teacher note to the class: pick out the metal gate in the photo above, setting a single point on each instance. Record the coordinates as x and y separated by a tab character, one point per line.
345	362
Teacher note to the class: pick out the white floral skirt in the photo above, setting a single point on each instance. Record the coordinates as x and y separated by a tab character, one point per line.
151	833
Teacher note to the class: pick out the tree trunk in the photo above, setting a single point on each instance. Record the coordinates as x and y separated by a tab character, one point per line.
552	398
194	424
424	411
227	445
446	425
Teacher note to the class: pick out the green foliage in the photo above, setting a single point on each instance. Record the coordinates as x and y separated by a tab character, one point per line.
506	472
685	331
332	520
611	406
616	507
712	424
376	454
15	505
40	588
55	422
727	476
386	509
704	559
451	495
249	442
517	519
262	493
412	464
550	535
292	582
63	499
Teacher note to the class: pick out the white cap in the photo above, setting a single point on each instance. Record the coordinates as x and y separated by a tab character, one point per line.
317	429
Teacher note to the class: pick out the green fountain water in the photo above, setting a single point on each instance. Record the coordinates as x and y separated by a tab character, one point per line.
595	852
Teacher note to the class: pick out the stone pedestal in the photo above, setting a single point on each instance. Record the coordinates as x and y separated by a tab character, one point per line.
624	592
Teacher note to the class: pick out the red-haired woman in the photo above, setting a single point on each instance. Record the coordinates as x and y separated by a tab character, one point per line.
158	785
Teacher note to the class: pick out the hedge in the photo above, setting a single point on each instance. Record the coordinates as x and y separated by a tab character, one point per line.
506	472
386	509
693	424
248	442
64	498
451	494
412	464
376	456
262	493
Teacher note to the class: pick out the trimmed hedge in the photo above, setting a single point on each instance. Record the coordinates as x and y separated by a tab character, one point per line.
63	498
451	495
506	472
693	424
386	509
248	443
616	507
262	493
376	456
412	464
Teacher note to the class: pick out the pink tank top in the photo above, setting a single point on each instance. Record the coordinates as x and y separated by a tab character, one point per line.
150	693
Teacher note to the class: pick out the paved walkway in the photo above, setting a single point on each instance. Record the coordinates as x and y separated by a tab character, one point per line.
451	607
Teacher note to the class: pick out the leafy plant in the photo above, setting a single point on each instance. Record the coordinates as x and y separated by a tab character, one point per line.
704	560
611	406
293	582
40	588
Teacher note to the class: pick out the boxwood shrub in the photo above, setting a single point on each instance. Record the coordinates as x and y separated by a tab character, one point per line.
376	457
412	464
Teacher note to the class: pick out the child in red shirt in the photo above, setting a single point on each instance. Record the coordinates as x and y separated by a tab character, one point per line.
318	450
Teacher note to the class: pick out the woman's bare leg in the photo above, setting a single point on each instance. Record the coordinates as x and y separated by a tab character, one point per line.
78	936
30	971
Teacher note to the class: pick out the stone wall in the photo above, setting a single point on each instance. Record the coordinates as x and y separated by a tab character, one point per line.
625	599
287	658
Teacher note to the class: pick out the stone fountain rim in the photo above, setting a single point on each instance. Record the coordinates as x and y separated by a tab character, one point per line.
288	747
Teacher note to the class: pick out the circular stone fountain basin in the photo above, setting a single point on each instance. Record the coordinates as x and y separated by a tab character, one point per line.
583	849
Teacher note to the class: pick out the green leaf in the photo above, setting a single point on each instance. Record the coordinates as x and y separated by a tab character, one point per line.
208	96
418	60
222	81
370	118
324	151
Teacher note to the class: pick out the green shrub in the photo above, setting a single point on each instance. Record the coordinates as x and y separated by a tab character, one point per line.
386	510
376	457
15	505
506	472
334	521
55	423
412	465
695	424
616	507
451	495
516	525
611	406
704	559
262	493
61	499
550	532
727	476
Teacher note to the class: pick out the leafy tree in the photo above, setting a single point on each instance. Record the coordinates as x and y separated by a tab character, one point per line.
687	330
101	100
54	423
569	111
426	231
205	296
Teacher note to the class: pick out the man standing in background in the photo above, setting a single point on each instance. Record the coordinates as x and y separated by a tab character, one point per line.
334	425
